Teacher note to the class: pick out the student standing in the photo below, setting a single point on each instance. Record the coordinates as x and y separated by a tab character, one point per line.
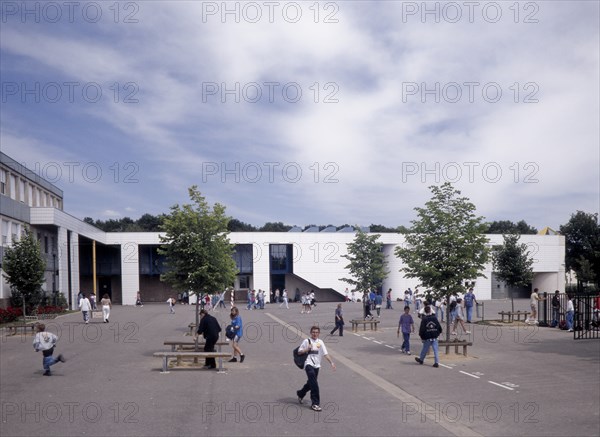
378	302
570	313
535	298
316	350
470	301
209	328
406	325
388	300
555	309
236	322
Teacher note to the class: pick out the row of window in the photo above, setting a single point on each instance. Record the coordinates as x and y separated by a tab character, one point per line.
12	231
20	189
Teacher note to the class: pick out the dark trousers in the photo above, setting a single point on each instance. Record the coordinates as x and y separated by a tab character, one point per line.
338	325
209	346
311	385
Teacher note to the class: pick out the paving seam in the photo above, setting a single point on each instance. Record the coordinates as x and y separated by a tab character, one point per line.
456	429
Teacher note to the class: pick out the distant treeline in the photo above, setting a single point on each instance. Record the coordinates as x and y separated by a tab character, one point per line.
152	223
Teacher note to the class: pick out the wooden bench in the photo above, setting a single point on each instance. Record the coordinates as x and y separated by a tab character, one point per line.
179	355
372	322
456	343
12	330
178	344
514	315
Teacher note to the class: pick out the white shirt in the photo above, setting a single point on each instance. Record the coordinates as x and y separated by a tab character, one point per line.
570	306
85	304
44	341
315	345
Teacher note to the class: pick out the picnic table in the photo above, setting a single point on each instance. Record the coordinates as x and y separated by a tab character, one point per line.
180	354
514	315
373	323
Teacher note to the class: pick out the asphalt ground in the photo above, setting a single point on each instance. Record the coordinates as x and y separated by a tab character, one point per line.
517	380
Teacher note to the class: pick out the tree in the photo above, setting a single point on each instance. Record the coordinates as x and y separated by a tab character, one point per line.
199	256
149	222
513	264
508	227
367	262
236	225
445	246
582	240
275	227
24	267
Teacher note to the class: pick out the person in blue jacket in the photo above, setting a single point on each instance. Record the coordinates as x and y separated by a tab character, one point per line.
236	321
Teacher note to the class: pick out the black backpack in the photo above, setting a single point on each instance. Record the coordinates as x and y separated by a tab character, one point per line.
299	360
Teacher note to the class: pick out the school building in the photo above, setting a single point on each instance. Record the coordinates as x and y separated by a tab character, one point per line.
81	257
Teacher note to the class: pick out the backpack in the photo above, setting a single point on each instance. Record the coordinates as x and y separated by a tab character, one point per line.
299	360
230	332
562	325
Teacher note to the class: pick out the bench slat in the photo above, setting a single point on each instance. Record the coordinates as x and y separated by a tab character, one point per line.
166	355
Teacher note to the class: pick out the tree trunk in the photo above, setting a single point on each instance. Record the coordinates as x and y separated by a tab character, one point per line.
448	317
197	321
512	300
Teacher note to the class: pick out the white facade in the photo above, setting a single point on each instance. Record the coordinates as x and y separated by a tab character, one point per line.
317	256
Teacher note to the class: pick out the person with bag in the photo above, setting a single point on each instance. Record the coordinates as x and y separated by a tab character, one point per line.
209	328
315	350
236	322
429	331
45	342
339	320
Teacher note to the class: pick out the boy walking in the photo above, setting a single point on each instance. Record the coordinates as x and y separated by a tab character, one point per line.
406	325
429	331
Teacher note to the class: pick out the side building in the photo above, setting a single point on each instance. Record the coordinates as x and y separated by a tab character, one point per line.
80	257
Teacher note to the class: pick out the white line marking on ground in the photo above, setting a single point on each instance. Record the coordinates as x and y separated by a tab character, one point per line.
443	365
474	376
454	428
378	342
391	347
358	335
500	385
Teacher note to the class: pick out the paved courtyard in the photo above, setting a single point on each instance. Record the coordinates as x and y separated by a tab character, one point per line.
517	380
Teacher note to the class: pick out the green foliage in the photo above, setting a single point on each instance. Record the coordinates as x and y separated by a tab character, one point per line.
146	223
508	227
367	262
198	254
275	227
512	263
582	240
24	267
445	245
236	225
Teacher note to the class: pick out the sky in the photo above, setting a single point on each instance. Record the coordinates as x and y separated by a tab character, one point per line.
306	112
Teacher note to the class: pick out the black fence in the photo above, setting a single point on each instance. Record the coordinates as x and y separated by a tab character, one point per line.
586	320
586	324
